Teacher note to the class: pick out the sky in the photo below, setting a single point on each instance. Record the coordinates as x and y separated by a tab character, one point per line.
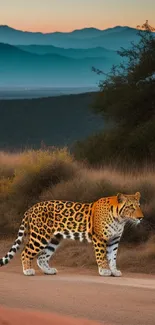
67	15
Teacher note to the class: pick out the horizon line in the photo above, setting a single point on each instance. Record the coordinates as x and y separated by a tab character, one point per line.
60	31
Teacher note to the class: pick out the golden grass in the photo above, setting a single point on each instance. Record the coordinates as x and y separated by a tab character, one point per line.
141	260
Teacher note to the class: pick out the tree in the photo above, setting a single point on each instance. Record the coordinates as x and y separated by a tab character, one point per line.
127	100
127	95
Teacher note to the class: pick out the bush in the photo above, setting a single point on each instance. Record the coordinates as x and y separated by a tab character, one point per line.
23	178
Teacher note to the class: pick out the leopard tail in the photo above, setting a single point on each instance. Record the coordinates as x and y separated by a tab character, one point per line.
13	250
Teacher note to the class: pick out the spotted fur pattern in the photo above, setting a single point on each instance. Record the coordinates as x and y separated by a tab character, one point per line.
101	222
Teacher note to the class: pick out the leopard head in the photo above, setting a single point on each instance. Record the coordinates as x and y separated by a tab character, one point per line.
129	207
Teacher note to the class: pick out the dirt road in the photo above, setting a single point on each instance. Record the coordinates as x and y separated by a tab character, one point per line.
129	300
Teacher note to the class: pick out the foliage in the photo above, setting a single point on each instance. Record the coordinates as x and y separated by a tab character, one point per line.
129	86
126	100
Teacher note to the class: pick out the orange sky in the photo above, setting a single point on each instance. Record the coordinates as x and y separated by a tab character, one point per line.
66	15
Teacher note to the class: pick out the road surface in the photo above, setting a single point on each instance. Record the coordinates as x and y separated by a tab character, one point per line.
129	300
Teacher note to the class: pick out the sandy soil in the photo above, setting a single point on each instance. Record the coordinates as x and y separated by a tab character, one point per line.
9	316
75	292
128	300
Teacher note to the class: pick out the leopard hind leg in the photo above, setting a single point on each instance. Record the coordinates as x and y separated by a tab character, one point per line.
30	251
45	255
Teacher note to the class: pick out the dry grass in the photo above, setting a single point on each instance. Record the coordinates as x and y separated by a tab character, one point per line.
31	176
141	260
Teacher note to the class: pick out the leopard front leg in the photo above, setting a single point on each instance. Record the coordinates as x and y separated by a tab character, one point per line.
112	248
100	247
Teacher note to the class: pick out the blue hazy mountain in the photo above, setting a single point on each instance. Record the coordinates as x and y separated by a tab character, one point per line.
22	68
72	53
112	38
59	59
84	33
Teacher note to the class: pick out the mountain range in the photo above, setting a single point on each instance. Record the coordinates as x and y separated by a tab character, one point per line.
29	59
22	68
71	52
111	38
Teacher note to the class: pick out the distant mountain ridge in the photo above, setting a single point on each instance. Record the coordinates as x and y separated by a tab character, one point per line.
111	38
57	59
86	31
70	52
22	68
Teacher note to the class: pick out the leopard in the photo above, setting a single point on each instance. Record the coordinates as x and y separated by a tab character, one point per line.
101	222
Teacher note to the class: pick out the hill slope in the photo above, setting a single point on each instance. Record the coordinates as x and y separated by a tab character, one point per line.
57	121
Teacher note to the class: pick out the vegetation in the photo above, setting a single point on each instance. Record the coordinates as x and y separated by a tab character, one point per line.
127	102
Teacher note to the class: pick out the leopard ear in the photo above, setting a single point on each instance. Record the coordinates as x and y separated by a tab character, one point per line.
137	195
121	198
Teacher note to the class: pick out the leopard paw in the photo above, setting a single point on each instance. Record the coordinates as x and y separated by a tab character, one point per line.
29	272
116	272
104	272
50	271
